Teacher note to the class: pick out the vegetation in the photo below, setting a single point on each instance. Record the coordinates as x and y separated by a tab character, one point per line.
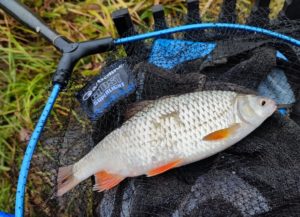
27	62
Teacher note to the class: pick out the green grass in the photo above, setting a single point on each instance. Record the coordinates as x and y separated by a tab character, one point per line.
22	85
27	63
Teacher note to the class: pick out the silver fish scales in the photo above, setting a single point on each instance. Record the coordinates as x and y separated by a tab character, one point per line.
170	132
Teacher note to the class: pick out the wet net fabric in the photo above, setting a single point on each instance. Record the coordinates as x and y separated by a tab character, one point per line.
259	176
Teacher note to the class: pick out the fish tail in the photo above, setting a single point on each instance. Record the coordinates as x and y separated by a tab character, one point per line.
66	180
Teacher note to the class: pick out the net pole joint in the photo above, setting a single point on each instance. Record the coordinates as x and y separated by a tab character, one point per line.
73	52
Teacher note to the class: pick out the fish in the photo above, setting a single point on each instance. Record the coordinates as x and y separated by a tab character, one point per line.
166	133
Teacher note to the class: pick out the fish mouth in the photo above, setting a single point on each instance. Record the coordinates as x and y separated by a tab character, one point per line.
273	105
275	108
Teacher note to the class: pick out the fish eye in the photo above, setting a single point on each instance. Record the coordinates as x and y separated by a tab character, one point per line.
263	102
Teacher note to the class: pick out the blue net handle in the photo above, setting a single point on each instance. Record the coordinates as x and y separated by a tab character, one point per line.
19	207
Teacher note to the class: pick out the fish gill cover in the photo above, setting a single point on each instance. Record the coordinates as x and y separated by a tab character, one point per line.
258	176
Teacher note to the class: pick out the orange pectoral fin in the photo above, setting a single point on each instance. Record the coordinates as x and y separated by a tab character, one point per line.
105	181
222	134
164	168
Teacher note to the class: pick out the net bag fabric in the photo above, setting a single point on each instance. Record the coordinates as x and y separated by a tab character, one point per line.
258	176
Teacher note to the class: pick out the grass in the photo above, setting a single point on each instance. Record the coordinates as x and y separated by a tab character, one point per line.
27	63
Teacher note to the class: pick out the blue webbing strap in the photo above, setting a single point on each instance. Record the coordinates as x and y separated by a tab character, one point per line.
19	207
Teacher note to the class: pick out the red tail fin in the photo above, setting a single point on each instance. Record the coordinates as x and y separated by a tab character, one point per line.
65	180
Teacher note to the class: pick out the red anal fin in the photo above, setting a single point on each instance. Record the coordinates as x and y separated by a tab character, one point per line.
222	134
105	181
164	168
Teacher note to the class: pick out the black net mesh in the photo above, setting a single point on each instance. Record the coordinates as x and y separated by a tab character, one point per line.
258	176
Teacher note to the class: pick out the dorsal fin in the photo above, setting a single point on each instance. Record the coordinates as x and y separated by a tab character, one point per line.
134	108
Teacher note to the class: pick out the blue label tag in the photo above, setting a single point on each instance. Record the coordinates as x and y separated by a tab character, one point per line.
114	84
